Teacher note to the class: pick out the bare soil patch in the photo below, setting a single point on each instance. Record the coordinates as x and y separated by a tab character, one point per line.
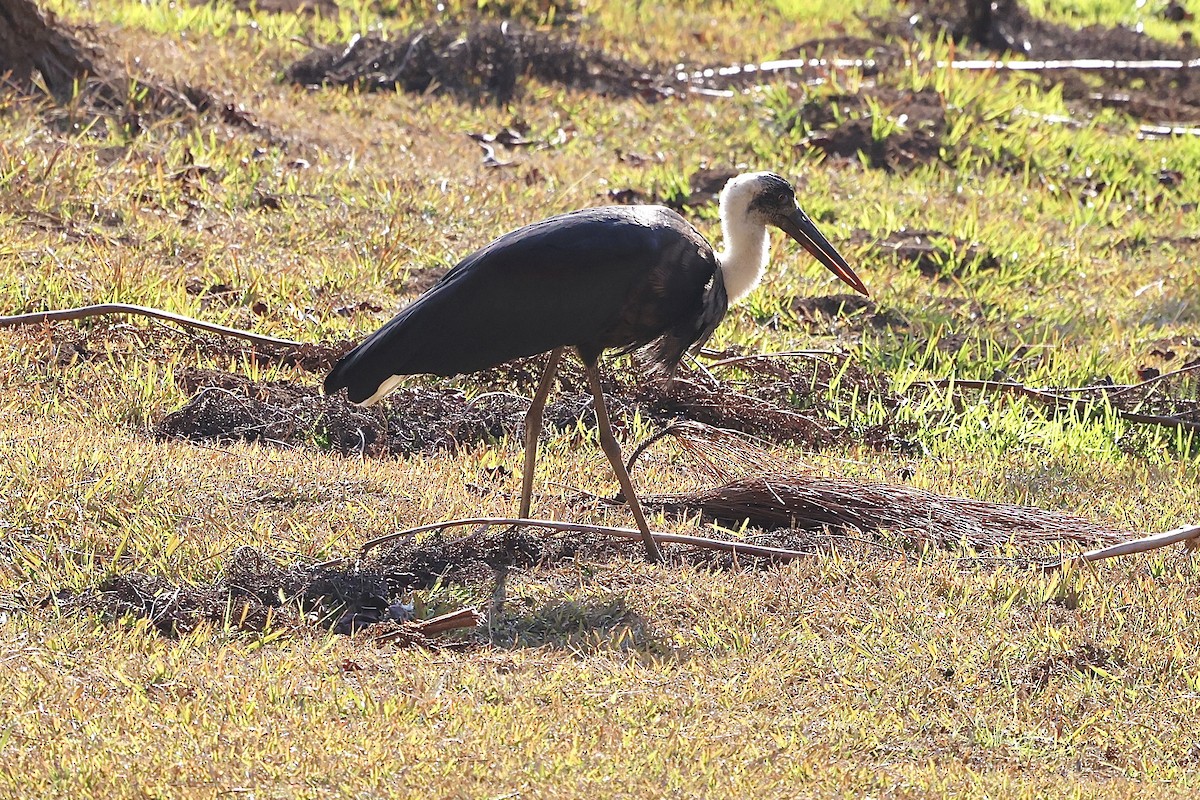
845	312
323	7
704	188
1084	659
912	135
876	54
935	254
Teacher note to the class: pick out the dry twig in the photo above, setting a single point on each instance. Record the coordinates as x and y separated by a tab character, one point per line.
106	309
737	548
424	631
1188	533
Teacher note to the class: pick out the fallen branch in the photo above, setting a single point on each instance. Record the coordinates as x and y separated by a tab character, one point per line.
469	617
107	309
1123	388
742	75
736	548
1080	64
725	362
1168	130
1056	398
421	632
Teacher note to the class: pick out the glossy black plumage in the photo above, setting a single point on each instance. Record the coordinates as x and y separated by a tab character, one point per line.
618	277
623	277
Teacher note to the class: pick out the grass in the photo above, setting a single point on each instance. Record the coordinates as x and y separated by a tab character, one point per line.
852	675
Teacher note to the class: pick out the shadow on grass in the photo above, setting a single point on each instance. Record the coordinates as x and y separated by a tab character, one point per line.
601	625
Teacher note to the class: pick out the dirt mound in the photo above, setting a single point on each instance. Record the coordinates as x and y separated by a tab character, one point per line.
480	60
892	130
849	310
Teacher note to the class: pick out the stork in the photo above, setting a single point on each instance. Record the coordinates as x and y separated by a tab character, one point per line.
631	278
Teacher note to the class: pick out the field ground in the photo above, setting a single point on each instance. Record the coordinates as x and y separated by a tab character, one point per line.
1016	227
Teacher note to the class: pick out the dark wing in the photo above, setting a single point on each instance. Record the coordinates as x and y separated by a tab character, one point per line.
690	332
569	280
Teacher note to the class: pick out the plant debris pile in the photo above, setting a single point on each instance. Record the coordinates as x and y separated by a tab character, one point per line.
899	129
227	407
479	60
783	400
797	512
1005	26
257	593
774	400
813	502
420	563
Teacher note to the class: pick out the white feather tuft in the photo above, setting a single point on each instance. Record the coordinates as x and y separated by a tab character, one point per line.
384	388
746	243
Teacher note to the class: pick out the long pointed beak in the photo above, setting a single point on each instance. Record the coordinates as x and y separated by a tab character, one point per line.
798	226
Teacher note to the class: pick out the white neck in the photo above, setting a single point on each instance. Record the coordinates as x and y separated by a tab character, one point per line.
746	243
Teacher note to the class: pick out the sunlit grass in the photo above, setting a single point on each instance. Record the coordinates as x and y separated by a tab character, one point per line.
854	674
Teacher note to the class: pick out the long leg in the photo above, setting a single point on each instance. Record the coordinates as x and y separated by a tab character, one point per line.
608	444
533	429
